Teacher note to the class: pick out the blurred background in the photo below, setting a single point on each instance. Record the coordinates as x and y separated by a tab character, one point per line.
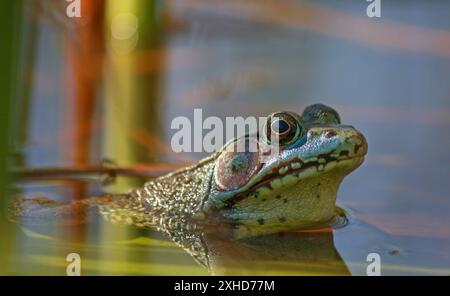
89	102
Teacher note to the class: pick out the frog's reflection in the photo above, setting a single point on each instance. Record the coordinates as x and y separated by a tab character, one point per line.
295	253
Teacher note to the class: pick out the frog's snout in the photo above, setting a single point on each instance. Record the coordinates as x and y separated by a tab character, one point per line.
364	147
356	139
344	140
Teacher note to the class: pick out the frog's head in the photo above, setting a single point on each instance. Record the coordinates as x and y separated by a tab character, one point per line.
261	192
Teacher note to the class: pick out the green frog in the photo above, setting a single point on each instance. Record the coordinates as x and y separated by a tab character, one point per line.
251	191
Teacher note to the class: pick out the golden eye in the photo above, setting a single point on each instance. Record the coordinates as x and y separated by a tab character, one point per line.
283	128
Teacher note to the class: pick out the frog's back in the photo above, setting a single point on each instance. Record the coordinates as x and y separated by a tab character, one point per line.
172	198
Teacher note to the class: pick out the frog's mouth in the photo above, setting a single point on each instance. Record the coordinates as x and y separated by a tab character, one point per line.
299	169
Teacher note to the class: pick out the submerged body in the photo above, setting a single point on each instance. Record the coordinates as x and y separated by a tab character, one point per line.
289	180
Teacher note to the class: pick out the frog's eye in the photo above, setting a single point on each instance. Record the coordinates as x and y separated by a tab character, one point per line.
283	128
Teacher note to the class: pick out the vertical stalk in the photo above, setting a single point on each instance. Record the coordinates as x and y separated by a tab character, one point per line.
10	28
132	98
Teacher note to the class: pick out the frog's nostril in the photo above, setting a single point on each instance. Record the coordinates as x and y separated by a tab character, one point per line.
330	133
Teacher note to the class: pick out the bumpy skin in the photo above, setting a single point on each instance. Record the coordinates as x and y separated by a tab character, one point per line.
295	188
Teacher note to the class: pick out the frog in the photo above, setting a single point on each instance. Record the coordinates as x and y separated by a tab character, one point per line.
248	192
